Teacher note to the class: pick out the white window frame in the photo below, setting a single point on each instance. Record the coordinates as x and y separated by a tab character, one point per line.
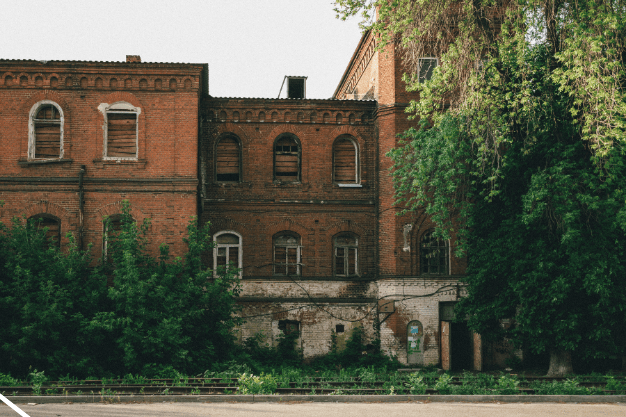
121	107
32	141
228	247
298	248
419	67
357	166
345	265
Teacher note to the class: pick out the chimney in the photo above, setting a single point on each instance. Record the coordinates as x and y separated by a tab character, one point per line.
133	58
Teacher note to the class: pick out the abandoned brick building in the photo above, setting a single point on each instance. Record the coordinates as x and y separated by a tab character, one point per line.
297	191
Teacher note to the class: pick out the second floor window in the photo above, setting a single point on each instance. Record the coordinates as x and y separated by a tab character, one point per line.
286	159
287	254
121	131
46	132
345	161
227	160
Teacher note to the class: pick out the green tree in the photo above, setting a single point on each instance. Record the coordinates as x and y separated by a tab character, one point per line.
521	159
167	312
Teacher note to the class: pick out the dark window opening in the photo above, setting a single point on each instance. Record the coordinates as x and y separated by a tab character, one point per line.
426	68
53	225
339	328
227	160
289	326
295	87
434	255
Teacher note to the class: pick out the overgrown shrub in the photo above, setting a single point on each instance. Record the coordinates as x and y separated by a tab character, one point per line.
252	384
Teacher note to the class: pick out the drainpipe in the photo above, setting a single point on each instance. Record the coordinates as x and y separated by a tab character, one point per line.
81	206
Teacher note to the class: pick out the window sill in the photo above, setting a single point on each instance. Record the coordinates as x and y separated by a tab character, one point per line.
285	184
349	185
35	162
136	163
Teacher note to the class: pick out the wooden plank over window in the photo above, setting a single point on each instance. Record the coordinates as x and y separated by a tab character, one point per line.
286	159
47	126
122	135
344	162
227	160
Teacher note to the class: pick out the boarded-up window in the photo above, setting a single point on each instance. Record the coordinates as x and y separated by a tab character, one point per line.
346	255
51	224
227	251
121	139
287	255
345	164
426	68
47	128
286	159
434	254
227	160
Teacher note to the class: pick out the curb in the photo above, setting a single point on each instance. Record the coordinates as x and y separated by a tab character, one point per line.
318	398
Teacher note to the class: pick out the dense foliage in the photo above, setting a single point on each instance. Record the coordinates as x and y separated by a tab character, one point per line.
522	160
57	312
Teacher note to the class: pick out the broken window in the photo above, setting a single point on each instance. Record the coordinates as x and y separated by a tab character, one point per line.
345	161
287	254
426	66
121	131
288	326
434	253
46	131
51	225
287	159
227	160
346	255
227	251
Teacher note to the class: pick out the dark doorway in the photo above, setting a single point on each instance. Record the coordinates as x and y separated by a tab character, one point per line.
461	347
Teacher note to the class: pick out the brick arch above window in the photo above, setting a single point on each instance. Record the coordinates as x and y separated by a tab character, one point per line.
113	209
52	223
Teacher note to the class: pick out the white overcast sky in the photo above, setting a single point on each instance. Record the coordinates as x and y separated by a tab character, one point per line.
249	45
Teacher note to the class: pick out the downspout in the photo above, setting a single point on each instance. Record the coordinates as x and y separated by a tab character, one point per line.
81	206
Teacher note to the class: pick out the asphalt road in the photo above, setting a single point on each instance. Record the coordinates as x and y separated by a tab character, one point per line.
319	410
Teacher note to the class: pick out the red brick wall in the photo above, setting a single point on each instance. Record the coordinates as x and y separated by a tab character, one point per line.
161	184
259	207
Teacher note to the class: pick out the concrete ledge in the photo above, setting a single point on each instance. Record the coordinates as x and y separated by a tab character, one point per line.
49	399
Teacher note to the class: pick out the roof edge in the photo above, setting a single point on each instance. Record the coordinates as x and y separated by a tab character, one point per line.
351	63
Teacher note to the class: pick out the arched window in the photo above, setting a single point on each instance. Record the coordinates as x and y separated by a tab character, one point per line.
434	252
287	159
345	161
346	255
111	229
287	254
53	225
46	131
121	131
228	160
227	250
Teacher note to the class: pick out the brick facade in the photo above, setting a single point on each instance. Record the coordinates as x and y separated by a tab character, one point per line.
220	159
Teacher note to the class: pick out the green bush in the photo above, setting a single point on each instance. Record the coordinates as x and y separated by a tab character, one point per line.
507	385
251	384
416	384
7	381
444	384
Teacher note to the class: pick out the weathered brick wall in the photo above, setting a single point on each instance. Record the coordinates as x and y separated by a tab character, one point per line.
161	183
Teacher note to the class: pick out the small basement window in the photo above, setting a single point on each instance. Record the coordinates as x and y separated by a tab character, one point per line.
339	328
121	131
289	326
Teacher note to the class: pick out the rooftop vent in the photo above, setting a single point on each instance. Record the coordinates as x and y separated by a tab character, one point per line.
133	58
296	87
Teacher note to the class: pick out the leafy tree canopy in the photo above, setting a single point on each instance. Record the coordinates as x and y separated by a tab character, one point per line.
520	155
